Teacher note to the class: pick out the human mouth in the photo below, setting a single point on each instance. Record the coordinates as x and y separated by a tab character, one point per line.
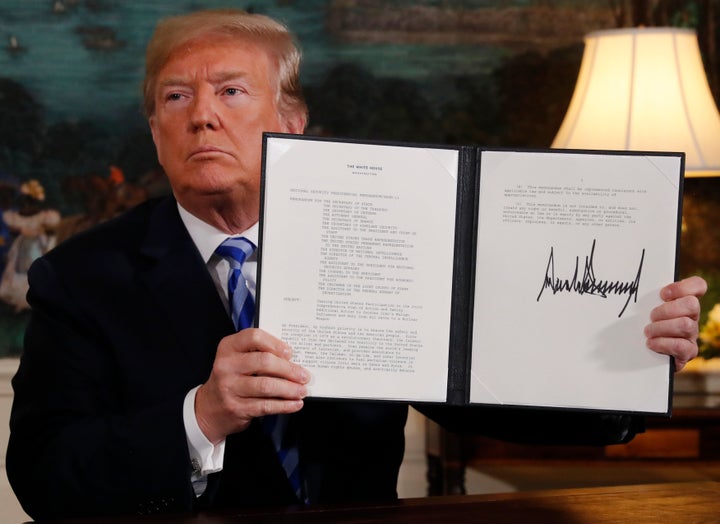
206	152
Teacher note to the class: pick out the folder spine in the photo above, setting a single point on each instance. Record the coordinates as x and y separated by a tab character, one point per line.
463	278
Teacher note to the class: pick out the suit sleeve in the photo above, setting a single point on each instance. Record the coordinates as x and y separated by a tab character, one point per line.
78	445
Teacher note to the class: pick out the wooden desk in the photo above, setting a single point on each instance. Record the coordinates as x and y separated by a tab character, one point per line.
692	433
675	503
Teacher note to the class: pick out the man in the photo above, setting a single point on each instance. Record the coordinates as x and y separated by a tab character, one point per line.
136	394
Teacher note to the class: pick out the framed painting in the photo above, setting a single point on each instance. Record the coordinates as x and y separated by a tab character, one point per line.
75	148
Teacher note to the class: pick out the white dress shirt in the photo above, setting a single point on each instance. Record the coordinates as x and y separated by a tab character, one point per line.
205	457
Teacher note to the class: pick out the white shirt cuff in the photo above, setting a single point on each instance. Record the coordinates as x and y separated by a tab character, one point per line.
205	457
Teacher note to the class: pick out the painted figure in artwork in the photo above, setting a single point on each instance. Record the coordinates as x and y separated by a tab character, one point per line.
35	226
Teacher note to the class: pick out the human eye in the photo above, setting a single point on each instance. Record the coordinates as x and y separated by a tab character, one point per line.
233	95
233	91
174	93
174	96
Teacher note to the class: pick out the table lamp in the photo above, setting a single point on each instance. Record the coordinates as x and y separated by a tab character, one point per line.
644	89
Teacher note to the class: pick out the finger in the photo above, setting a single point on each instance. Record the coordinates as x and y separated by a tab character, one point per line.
683	350
269	388
263	407
686	306
260	363
694	285
253	339
680	327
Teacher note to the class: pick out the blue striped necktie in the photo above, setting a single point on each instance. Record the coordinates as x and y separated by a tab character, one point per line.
242	310
242	306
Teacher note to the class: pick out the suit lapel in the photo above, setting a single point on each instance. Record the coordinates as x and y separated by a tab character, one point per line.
177	277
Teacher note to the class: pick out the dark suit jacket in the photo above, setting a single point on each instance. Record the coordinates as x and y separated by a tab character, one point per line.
125	321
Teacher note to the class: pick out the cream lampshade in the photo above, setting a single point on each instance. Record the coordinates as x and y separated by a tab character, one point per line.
644	89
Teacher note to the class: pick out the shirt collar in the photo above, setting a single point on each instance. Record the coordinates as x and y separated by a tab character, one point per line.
207	238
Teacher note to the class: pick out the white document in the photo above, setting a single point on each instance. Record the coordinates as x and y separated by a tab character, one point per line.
469	276
357	247
572	251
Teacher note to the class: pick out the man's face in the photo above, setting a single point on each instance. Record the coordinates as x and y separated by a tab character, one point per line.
214	98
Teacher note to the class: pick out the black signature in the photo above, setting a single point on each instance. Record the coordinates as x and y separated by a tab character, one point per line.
588	284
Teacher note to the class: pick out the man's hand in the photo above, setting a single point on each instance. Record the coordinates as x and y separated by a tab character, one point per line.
673	327
252	376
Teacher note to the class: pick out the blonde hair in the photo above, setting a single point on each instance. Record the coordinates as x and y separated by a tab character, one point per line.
173	32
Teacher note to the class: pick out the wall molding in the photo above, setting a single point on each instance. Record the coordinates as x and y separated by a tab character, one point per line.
8	367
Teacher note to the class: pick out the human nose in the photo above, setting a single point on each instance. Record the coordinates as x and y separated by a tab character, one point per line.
203	114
